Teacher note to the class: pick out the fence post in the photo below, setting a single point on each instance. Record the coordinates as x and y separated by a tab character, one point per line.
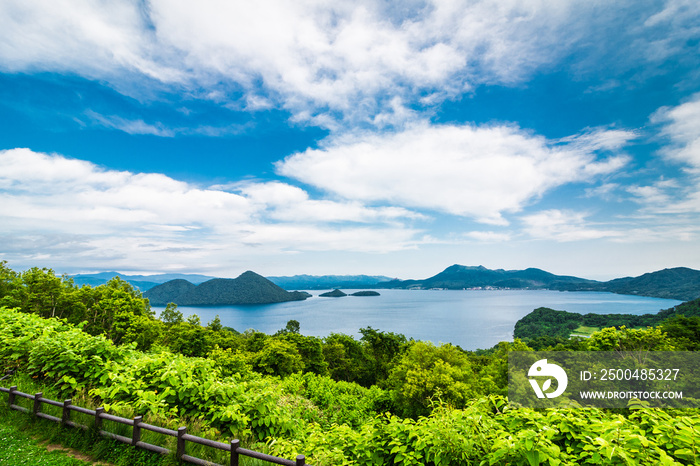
11	397
301	460
37	403
66	412
234	452
98	419
181	442
136	433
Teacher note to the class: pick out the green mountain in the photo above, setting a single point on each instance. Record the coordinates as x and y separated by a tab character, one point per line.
248	288
457	277
679	283
168	292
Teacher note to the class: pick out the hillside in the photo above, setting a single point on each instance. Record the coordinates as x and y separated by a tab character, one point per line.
165	292
457	277
544	322
248	288
679	283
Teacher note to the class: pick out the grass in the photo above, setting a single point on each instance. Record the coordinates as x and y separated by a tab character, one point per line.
23	439
17	447
584	331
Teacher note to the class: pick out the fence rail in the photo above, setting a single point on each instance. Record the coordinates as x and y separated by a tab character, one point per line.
137	427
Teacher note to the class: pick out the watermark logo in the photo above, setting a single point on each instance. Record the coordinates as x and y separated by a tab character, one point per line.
542	368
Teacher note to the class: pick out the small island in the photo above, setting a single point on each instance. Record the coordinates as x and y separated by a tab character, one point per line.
333	294
365	293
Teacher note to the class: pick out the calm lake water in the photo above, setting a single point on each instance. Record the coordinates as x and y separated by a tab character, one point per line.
469	318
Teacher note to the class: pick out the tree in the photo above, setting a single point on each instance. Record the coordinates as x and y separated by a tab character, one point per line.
426	373
292	326
683	331
630	339
346	359
9	282
278	357
215	324
189	339
194	320
229	361
171	315
311	351
115	297
381	349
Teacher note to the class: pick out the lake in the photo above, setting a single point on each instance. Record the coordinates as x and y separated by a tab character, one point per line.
469	318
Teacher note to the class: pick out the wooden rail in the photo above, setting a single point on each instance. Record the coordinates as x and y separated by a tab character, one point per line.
137	426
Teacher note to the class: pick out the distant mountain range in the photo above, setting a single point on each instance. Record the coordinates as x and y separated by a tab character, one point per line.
677	283
248	288
325	282
457	277
142	282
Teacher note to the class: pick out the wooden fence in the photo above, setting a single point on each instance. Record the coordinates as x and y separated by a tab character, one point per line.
137	426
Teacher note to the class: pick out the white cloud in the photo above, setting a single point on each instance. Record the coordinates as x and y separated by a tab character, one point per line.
130	126
681	125
97	39
657	195
489	236
290	203
159	129
479	172
137	217
679	18
564	226
366	62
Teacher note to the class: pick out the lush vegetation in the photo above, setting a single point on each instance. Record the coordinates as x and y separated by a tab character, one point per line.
547	323
248	288
381	399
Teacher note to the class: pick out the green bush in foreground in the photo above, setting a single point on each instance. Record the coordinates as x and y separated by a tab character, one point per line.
341	423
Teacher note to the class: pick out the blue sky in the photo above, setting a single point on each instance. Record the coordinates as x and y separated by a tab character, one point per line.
318	137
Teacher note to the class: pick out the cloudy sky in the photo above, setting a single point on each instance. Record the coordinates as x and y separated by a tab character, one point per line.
377	137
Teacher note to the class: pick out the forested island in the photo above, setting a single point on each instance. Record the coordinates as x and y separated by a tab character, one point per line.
333	294
248	288
380	399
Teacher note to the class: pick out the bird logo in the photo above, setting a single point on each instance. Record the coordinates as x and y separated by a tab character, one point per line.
542	368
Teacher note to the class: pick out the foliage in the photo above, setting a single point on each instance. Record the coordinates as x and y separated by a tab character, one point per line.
544	322
425	372
684	331
629	339
248	288
379	400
